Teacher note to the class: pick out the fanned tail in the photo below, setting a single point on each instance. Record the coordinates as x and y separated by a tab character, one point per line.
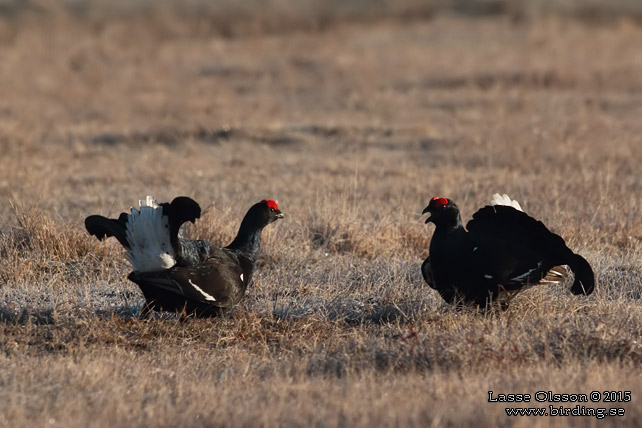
148	235
103	227
181	210
504	199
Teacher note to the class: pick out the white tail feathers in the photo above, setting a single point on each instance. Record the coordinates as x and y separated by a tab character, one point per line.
149	201
147	233
504	199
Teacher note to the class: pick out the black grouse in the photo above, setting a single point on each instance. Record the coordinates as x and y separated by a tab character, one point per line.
502	251
180	275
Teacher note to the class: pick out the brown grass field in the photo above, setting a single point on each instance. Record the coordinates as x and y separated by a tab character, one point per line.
352	121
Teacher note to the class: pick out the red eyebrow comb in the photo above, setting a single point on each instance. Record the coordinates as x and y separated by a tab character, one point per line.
271	204
436	201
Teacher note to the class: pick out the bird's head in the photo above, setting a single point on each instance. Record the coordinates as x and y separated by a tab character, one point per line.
263	213
441	210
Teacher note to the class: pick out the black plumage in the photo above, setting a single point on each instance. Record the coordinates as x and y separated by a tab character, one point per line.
206	288
501	251
205	280
193	251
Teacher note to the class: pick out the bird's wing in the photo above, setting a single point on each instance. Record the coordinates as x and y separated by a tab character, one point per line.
499	262
160	279
217	281
426	271
447	291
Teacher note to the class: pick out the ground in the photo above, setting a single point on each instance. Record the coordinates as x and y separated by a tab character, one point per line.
353	121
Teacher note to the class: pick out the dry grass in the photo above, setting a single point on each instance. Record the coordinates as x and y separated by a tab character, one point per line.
352	128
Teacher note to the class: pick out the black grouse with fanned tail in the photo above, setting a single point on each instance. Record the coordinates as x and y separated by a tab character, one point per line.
180	275
501	251
182	209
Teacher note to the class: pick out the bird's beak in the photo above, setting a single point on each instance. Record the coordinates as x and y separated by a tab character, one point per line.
279	214
427	210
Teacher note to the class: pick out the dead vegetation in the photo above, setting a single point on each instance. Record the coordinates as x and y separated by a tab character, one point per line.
352	127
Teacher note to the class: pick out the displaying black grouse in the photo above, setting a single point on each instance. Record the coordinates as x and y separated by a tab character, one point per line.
502	251
175	274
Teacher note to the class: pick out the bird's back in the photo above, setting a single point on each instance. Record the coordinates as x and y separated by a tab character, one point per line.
502	223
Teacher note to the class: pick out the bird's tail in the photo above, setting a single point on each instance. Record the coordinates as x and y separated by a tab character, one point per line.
584	282
148	235
103	227
181	210
584	278
504	199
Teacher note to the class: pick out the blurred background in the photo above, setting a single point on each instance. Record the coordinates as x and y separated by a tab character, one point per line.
100	100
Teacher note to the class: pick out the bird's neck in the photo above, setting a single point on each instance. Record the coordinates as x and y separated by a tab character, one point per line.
247	243
450	225
448	238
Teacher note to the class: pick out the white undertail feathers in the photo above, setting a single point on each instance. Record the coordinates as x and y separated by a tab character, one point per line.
504	199
147	232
